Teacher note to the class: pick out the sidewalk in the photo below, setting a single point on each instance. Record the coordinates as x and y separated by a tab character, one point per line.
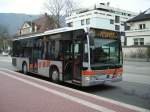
137	59
57	98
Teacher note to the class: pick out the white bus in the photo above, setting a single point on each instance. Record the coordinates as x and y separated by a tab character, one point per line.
81	56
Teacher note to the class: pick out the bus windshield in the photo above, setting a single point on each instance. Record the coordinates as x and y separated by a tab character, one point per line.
104	51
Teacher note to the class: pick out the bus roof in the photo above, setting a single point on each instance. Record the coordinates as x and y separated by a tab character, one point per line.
55	31
50	32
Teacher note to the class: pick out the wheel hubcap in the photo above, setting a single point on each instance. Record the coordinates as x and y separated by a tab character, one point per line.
24	69
55	76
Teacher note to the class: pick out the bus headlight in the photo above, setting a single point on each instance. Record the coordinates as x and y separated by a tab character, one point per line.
87	78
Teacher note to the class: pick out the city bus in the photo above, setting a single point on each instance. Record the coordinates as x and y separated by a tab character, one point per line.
80	56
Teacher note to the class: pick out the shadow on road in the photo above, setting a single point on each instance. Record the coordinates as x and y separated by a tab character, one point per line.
127	92
92	89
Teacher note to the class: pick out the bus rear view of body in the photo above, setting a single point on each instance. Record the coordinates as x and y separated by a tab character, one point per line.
78	56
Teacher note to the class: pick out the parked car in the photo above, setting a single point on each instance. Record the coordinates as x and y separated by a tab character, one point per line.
5	53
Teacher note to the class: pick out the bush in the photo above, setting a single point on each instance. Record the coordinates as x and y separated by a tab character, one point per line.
148	53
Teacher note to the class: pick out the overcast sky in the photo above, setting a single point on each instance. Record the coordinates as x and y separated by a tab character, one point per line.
37	6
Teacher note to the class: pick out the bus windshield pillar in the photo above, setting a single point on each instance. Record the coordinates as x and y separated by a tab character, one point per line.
88	45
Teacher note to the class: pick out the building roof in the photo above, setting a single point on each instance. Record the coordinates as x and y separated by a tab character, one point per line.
29	23
141	17
44	23
105	7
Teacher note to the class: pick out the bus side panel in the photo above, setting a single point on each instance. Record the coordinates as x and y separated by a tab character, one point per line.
44	67
18	61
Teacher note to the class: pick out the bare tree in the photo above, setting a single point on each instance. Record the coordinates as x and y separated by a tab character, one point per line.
4	38
3	32
70	6
58	8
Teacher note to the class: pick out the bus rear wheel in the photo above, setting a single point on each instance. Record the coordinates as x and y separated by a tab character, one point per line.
24	68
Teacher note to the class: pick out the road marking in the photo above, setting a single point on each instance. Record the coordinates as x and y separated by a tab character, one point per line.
132	107
66	96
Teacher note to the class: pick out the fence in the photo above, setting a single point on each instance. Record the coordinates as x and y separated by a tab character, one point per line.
136	53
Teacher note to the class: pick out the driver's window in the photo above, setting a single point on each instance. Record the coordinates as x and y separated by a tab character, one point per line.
76	49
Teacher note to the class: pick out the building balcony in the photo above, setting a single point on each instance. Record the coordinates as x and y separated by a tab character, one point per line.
140	32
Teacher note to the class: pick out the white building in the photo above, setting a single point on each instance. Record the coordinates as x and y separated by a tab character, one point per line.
101	16
139	33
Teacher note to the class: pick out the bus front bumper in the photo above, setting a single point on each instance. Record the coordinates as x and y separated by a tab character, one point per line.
91	81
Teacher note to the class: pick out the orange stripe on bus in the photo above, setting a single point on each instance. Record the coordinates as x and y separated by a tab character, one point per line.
41	64
116	71
88	72
31	66
35	65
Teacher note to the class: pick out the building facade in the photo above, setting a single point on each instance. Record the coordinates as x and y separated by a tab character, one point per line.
43	23
101	16
139	33
138	37
28	27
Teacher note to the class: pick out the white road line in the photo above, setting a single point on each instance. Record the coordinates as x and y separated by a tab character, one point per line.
87	94
66	96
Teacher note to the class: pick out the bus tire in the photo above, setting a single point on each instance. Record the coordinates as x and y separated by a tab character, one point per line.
24	68
54	75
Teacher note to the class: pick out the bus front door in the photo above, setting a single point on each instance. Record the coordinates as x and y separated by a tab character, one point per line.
77	61
34	61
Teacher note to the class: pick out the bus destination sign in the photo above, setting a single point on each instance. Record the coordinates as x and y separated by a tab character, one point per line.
106	34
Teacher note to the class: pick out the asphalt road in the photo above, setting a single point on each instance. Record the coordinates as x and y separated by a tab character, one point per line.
134	89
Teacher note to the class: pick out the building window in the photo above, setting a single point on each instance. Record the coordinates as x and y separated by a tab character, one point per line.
126	26
111	21
135	41
129	14
82	22
122	23
142	26
139	41
70	24
88	21
117	27
117	19
95	12
108	15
